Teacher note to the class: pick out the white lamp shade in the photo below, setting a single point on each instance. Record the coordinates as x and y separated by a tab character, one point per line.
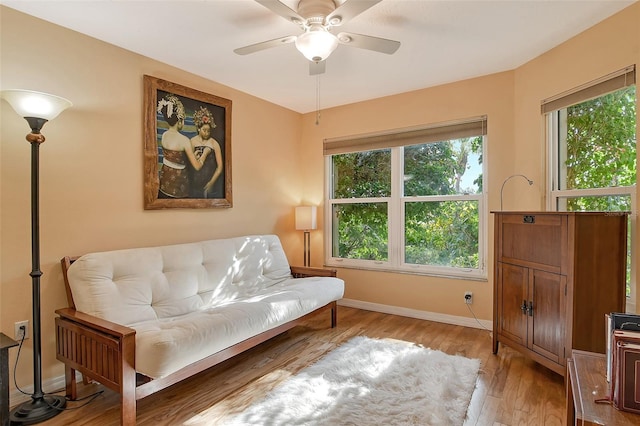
316	44
306	218
35	104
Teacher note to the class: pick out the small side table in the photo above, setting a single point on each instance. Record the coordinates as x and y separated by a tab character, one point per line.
586	382
5	344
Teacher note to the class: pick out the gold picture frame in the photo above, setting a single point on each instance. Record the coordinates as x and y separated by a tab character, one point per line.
185	120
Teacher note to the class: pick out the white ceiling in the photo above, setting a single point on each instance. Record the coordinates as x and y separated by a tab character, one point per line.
442	41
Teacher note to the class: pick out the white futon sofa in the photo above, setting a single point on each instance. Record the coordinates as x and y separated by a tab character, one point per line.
143	319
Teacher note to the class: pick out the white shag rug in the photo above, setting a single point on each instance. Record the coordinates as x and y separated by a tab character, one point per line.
371	382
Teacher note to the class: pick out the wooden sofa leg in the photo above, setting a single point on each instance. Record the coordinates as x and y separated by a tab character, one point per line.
128	397
70	383
334	315
128	381
127	410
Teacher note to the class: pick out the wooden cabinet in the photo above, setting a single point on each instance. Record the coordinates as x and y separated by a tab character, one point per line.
556	275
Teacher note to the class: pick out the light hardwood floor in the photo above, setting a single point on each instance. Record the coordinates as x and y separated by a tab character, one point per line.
511	390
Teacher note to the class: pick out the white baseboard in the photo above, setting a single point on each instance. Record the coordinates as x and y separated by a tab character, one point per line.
58	383
414	313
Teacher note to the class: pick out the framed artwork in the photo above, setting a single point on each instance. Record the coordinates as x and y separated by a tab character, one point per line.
187	147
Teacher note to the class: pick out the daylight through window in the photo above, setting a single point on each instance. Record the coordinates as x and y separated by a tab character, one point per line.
409	200
592	134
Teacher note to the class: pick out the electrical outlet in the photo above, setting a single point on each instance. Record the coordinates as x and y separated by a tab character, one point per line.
18	333
468	297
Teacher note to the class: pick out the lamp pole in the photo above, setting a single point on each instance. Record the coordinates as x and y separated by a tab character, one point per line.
36	273
307	248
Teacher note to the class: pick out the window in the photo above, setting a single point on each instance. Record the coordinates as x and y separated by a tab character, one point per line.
409	200
592	134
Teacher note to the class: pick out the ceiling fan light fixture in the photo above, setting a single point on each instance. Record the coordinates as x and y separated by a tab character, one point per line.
316	44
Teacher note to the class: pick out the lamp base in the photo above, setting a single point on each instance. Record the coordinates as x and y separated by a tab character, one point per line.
37	410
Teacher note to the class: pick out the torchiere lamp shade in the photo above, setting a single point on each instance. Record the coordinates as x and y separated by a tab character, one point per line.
28	103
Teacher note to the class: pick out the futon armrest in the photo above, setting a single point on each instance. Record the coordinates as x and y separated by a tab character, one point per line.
306	271
101	350
95	323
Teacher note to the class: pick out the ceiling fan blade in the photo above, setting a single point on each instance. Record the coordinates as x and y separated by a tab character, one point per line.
316	68
252	48
348	10
382	45
283	10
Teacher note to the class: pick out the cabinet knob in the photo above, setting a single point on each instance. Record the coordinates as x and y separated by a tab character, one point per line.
523	307
530	310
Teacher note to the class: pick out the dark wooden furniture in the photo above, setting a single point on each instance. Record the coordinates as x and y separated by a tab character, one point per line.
586	383
105	352
5	344
556	275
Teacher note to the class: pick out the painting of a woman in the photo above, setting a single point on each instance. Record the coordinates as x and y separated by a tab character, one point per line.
208	150
176	149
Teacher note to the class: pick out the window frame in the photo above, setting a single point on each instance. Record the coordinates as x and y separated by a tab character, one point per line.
396	220
555	134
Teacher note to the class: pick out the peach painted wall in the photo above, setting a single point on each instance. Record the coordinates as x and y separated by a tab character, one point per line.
516	144
91	167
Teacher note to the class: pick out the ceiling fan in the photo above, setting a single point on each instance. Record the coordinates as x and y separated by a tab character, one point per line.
317	18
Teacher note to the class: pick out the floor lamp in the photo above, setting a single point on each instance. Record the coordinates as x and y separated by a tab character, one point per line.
306	221
37	108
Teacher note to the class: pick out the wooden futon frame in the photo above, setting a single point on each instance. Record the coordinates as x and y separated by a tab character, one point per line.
105	352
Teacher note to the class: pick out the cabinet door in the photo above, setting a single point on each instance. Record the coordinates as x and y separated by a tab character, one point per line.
513	293
547	314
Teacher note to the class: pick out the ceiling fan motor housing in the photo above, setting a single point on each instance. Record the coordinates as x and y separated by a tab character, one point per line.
309	9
